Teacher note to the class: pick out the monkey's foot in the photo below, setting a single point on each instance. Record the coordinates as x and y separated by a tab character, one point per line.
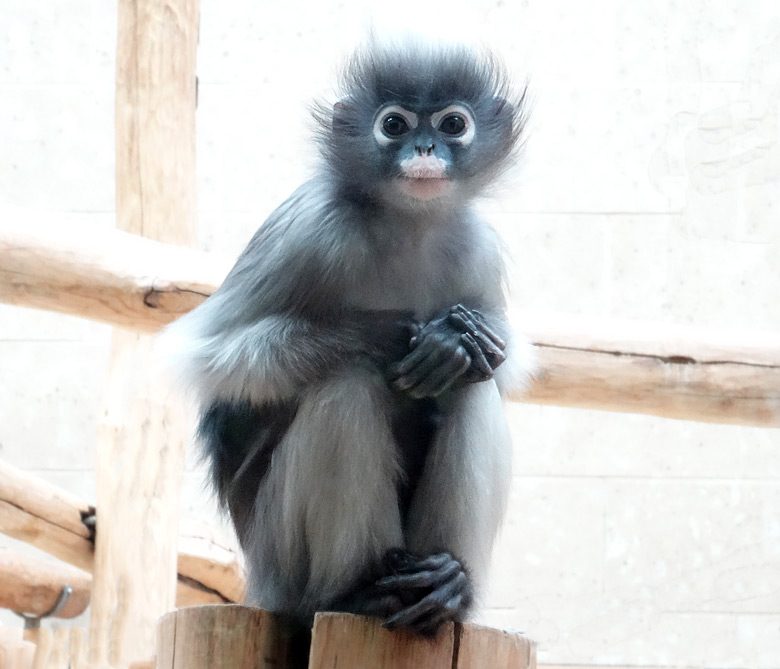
439	587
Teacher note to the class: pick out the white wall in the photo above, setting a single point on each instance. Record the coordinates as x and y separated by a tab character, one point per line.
651	190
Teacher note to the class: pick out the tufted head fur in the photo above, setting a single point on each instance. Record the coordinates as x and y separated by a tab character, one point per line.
421	80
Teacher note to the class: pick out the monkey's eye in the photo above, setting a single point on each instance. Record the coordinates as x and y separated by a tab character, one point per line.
392	122
453	124
394	125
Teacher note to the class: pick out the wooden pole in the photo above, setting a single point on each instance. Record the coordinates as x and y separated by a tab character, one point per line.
245	638
140	451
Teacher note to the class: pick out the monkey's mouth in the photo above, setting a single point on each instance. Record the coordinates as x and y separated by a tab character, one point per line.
424	188
424	177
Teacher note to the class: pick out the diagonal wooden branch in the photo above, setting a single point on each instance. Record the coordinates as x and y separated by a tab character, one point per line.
34	511
651	368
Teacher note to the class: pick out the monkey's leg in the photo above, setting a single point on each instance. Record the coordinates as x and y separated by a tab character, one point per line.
327	509
458	505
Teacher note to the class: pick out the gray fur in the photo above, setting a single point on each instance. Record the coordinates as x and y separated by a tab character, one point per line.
290	323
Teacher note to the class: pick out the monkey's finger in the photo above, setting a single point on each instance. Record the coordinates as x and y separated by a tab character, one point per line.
426	363
408	363
422	362
479	364
408	616
489	342
442	376
478	326
462	323
409	564
429	625
430	604
427	578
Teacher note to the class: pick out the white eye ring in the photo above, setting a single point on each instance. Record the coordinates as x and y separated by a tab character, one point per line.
460	110
392	110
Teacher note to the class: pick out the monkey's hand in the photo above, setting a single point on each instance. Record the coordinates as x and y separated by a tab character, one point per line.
436	588
483	344
459	346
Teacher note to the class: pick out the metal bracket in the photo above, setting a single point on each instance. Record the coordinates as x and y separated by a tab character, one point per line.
33	622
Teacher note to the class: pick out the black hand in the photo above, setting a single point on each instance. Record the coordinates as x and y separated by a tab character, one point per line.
437	588
438	360
483	344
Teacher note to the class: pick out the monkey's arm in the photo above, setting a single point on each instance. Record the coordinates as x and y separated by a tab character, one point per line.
273	357
278	322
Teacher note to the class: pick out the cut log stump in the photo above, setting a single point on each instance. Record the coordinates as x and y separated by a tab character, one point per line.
241	637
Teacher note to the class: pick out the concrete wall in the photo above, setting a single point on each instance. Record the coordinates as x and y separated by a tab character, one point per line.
651	190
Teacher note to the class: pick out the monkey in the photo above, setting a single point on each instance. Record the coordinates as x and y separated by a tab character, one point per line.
350	370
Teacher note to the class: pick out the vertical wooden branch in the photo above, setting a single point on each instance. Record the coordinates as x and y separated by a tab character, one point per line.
141	440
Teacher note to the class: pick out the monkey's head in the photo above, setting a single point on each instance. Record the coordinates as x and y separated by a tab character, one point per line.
421	125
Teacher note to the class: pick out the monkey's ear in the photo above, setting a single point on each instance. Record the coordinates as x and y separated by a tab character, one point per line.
344	117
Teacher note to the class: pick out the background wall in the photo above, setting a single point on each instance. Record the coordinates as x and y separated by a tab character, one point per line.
651	189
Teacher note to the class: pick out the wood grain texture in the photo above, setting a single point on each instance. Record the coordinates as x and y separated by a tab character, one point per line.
61	543
213	566
49	518
33	585
343	641
207	637
102	274
140	450
480	647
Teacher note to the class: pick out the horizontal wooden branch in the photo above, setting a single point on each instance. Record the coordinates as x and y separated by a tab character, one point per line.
103	274
34	511
657	369
33	585
651	368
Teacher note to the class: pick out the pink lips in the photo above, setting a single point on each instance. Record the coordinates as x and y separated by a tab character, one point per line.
424	177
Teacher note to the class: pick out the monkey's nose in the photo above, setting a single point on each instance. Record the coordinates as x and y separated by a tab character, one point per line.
425	150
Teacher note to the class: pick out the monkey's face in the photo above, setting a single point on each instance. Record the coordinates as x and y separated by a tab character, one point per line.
420	125
421	149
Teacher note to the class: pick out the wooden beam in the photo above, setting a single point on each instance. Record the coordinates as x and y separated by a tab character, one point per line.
203	561
660	369
100	273
36	512
45	516
33	585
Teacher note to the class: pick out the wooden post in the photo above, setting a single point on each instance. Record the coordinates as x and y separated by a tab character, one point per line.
204	637
240	637
140	450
